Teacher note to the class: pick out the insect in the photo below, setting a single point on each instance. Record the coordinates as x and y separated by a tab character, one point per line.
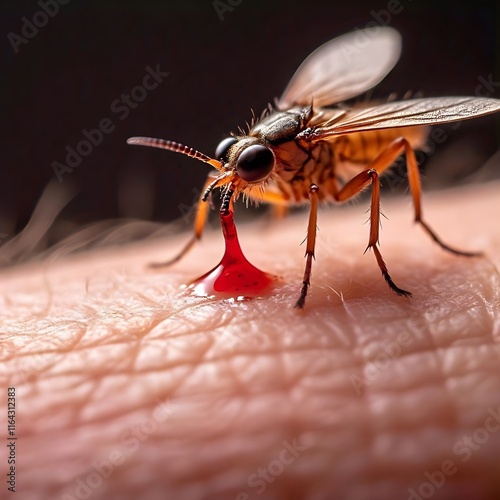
310	147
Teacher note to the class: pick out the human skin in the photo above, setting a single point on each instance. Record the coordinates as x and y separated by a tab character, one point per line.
129	387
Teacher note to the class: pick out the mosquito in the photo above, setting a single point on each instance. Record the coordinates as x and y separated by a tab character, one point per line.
311	146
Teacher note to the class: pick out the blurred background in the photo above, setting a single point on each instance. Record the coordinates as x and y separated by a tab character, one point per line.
78	67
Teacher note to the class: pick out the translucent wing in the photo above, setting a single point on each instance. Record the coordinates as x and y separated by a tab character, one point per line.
343	68
401	114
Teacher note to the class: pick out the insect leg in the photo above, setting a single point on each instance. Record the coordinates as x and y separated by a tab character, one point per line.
279	211
416	192
311	242
199	224
352	188
280	201
385	160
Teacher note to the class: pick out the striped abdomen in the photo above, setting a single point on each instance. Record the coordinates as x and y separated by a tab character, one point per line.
354	152
330	164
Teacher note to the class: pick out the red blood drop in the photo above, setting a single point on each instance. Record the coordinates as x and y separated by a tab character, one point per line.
234	276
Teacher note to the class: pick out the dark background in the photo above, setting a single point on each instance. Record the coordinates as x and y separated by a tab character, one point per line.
67	76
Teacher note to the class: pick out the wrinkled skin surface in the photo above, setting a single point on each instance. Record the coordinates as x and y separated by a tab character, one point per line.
128	387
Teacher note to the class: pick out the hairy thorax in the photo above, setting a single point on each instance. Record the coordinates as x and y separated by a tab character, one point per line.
328	164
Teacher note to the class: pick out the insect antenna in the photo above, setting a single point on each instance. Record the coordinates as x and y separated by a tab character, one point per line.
175	147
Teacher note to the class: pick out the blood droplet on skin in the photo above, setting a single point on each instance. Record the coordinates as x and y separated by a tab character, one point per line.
234	276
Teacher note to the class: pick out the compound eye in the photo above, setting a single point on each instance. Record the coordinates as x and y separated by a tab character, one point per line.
223	148
255	163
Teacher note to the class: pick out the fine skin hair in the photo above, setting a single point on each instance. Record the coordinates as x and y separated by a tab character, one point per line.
128	387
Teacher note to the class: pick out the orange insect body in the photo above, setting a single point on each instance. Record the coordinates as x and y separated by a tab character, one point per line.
363	148
311	148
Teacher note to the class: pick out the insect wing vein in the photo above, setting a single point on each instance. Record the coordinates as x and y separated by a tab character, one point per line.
408	113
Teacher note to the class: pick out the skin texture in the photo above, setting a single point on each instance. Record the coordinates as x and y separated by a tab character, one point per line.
128	387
